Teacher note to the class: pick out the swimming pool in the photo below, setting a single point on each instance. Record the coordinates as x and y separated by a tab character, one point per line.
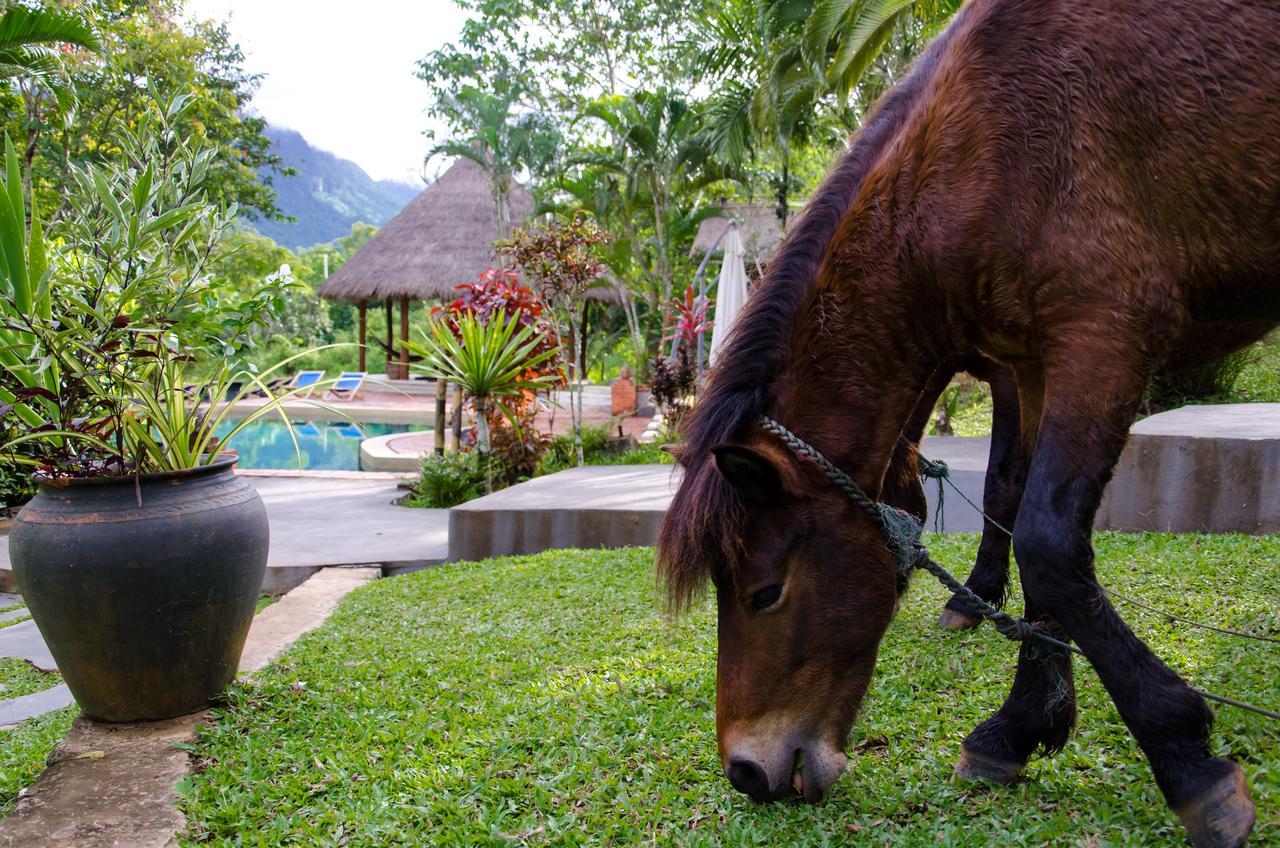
331	446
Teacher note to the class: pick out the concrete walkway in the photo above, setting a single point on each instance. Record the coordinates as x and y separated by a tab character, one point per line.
622	505
111	785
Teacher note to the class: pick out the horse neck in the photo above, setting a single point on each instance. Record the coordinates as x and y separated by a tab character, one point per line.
861	354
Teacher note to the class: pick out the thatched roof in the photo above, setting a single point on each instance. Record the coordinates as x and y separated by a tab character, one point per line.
442	238
757	224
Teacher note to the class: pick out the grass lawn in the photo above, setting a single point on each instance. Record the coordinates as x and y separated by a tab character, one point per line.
546	700
23	751
19	677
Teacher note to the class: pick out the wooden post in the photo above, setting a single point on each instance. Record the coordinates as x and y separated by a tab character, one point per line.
364	331
390	338
442	391
456	441
404	337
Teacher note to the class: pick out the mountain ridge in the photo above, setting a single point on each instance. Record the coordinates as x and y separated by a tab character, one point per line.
327	195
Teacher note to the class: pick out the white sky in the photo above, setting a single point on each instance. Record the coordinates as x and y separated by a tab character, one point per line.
341	73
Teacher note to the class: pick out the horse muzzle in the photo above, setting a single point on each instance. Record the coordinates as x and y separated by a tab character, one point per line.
795	768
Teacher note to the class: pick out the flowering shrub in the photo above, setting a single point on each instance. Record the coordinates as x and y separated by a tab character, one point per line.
689	319
500	290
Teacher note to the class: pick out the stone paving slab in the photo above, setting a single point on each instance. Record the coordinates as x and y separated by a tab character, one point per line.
303	609
112	785
9	599
12	614
106	786
24	642
17	710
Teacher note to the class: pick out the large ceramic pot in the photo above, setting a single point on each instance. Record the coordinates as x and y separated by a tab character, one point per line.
143	588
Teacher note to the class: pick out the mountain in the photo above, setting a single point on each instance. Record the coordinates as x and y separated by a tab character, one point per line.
327	195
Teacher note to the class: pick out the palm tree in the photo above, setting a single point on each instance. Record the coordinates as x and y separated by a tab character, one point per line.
660	155
775	60
30	46
497	137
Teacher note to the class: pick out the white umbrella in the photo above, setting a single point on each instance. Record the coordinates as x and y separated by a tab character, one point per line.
731	291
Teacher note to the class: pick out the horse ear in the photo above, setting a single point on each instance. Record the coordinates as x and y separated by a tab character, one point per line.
750	472
676	451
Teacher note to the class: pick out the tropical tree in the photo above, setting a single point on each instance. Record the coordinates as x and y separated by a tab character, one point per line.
778	64
490	129
31	43
149	50
562	260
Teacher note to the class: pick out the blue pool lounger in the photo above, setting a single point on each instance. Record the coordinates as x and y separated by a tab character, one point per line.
347	386
305	380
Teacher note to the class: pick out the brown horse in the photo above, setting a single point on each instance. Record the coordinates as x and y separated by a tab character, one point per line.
1067	188
1006	464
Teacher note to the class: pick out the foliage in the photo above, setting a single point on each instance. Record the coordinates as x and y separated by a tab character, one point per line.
779	65
145	46
30	42
448	480
487	129
562	260
97	340
672	383
561	706
690	320
564	52
25	749
494	361
1211	382
499	291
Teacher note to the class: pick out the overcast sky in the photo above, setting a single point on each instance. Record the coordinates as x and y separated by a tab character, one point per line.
341	73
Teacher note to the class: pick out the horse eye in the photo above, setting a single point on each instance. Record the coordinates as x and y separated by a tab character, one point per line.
766	597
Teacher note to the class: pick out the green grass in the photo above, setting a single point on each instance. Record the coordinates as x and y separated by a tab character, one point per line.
23	751
9	622
546	700
263	602
19	677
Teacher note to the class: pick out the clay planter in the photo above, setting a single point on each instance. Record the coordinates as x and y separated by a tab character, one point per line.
145	607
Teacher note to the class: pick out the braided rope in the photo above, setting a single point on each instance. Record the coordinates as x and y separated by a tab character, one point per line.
901	532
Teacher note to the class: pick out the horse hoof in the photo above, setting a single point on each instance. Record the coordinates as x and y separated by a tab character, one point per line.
980	767
952	620
1223	816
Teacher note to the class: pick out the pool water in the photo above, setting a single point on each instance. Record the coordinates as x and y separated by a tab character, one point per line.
331	446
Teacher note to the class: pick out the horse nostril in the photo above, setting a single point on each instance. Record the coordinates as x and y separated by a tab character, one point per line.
749	778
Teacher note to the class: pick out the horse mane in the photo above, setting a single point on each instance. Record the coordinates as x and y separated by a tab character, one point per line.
700	531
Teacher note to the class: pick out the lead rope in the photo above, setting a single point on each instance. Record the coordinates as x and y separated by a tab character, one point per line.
901	531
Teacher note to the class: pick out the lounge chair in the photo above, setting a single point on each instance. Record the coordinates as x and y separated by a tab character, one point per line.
347	386
308	380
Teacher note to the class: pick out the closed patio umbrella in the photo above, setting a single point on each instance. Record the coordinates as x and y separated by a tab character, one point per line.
731	291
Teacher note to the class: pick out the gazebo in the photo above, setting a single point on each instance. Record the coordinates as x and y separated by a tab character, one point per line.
757	224
444	237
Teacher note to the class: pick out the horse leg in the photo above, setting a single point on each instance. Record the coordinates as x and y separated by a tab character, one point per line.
1040	709
1002	491
1091	391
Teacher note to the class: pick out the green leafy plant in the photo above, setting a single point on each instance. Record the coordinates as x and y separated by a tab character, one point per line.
493	361
448	480
100	330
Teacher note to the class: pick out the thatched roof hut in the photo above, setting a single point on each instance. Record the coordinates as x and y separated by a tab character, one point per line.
757	224
442	238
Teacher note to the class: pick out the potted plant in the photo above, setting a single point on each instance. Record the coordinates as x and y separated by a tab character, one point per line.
142	555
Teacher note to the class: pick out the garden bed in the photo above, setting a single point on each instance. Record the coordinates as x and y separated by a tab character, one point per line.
547	700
